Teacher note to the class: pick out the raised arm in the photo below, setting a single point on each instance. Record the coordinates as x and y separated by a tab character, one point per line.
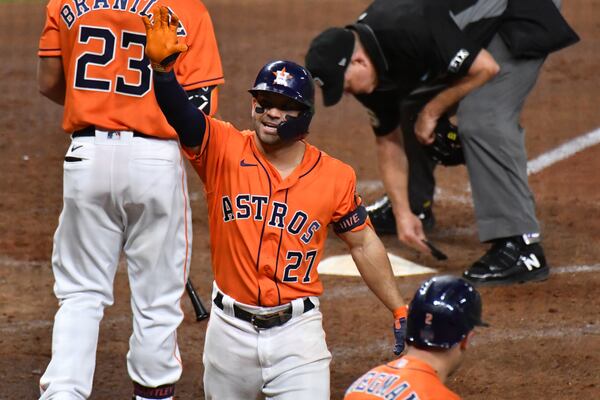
162	49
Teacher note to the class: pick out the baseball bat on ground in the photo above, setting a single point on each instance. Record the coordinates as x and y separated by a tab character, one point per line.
437	253
201	312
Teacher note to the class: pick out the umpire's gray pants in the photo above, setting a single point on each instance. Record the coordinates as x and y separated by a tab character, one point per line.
494	147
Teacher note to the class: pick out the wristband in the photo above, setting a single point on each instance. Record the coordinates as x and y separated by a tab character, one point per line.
165	65
401	312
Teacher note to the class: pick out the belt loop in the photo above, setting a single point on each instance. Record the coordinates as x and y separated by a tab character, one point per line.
228	303
227	300
297	307
215	290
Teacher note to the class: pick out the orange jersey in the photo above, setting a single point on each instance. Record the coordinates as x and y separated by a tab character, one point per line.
268	233
108	78
406	378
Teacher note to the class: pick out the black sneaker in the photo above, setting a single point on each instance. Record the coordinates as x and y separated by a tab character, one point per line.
509	260
382	217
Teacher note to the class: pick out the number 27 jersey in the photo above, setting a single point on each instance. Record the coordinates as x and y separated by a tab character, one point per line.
108	78
268	233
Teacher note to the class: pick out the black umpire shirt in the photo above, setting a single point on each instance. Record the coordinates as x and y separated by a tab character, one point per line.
413	43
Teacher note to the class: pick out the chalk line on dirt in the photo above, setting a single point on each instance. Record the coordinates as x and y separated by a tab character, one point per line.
485	337
359	289
534	166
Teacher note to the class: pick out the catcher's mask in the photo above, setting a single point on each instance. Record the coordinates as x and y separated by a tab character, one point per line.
294	81
442	312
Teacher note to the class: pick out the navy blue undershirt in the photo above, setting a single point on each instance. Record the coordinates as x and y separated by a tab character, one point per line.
182	115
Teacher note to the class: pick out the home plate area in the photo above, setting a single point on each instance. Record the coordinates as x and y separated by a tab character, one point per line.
343	265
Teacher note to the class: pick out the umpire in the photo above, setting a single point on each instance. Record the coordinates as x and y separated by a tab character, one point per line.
412	63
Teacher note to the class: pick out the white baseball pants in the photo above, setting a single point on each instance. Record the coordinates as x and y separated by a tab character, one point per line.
120	193
288	362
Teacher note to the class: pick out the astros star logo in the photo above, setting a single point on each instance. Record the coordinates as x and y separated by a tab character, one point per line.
282	77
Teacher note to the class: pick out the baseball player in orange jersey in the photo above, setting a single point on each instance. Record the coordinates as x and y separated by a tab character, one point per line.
124	186
271	196
441	319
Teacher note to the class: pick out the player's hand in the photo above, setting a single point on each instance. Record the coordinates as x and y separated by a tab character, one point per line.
424	128
400	315
410	231
162	45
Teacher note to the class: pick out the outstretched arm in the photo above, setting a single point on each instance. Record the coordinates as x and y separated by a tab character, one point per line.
375	268
162	49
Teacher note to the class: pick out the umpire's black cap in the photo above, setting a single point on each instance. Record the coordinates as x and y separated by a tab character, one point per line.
327	59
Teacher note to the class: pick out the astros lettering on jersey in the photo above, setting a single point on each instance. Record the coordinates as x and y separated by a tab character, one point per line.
271	230
112	97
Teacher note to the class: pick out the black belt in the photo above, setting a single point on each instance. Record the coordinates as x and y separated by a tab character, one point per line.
91	131
264	321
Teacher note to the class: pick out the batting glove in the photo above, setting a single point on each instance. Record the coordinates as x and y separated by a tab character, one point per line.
400	315
162	46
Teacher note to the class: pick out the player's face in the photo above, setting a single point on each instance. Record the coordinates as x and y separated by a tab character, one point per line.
268	111
360	76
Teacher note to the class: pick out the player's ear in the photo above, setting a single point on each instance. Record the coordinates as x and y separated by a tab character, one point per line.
253	104
467	340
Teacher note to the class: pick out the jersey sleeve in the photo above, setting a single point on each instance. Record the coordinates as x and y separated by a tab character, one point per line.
209	160
453	51
49	44
349	214
384	109
200	66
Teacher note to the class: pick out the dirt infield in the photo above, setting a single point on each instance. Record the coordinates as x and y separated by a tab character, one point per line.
545	338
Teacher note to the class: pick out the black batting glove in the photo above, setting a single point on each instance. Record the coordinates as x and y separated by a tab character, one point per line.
400	315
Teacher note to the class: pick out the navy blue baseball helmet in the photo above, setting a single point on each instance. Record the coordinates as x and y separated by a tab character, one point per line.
294	81
442	312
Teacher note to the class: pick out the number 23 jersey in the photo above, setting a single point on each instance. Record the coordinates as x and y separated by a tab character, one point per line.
268	233
108	78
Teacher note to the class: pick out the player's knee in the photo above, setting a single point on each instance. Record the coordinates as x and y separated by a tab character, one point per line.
85	302
477	123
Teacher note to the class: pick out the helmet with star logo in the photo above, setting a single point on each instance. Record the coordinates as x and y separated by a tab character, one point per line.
294	81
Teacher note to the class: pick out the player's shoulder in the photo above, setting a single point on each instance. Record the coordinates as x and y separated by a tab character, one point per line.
188	8
55	4
422	378
226	133
336	164
221	126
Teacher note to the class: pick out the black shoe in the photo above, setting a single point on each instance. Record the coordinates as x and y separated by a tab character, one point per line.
382	217
508	261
